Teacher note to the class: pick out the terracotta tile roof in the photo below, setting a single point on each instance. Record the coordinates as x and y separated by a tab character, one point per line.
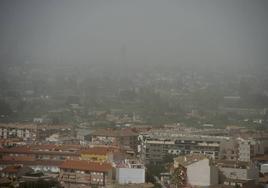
262	158
33	163
98	151
43	147
11	169
18	158
70	147
86	166
15	149
49	149
54	147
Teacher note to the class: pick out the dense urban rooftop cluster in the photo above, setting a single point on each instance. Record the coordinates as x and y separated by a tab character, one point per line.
169	155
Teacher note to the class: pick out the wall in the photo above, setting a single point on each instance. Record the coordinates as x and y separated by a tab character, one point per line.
130	175
214	175
94	157
199	173
264	168
240	173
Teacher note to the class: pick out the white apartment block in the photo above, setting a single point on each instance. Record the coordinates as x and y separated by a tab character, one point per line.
130	172
155	148
22	131
249	148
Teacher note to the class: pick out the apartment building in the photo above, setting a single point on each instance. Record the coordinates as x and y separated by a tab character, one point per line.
123	137
229	150
238	174
99	154
23	131
34	132
48	157
81	173
44	158
155	147
249	148
15	171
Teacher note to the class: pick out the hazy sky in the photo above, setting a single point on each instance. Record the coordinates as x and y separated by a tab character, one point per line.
175	31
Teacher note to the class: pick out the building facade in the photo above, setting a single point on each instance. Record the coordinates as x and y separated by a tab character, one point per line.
34	132
155	148
84	173
237	173
249	148
131	171
198	170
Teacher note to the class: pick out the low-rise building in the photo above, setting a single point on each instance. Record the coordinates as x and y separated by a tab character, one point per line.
235	173
130	171
23	131
249	148
98	154
85	173
15	171
122	137
11	142
262	162
34	132
229	150
48	157
45	158
196	170
48	166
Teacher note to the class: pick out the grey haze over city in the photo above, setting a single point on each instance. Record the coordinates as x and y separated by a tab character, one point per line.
134	93
205	32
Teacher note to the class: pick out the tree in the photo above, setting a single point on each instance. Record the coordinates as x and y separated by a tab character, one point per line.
179	177
153	170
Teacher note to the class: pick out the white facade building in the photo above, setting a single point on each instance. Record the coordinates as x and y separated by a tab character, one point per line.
130	175
130	172
264	168
201	173
237	173
200	170
249	148
23	131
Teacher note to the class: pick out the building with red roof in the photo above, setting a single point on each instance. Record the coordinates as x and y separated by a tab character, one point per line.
85	173
15	171
122	137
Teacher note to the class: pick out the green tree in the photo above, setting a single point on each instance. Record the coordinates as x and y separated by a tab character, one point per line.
178	177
